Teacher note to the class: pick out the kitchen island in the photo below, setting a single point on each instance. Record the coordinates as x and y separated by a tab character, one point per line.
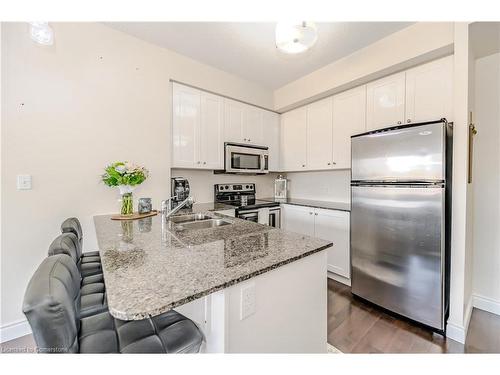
249	287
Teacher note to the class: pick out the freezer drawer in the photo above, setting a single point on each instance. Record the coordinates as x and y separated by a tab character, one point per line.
397	249
408	154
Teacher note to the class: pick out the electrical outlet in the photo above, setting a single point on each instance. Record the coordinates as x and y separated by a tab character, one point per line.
247	306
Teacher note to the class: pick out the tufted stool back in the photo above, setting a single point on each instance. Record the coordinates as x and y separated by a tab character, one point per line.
51	305
66	243
72	225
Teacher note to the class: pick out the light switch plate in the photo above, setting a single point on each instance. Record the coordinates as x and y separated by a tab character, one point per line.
23	182
247	301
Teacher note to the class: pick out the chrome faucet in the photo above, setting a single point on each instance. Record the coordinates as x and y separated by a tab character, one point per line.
167	204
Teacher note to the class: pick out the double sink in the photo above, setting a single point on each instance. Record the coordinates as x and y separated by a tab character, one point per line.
197	221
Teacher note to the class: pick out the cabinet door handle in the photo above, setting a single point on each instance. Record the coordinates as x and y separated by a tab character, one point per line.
198	162
334	163
204	162
249	139
316	214
244	139
408	121
303	165
329	163
310	213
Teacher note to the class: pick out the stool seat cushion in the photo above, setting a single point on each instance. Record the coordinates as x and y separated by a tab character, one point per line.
92	288
170	332
97	278
92	304
97	334
89	269
91	259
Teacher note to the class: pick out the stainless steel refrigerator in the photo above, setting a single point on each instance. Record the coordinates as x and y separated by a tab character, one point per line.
400	220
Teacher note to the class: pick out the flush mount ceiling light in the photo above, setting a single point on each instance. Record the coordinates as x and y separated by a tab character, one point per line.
295	37
42	33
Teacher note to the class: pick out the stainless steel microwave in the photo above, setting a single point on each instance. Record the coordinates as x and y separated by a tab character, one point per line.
247	159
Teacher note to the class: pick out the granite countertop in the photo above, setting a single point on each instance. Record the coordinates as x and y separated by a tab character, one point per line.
339	206
151	266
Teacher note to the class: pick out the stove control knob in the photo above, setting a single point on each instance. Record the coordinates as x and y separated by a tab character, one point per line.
221	187
227	187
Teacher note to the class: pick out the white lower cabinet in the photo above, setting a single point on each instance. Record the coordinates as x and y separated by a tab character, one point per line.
298	219
196	311
329	225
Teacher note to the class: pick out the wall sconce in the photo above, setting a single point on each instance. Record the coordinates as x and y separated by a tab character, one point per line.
42	33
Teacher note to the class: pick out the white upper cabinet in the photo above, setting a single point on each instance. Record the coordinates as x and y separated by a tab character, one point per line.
185	126
271	133
294	140
423	93
234	113
385	102
211	132
197	128
349	118
243	123
319	135
429	91
253	125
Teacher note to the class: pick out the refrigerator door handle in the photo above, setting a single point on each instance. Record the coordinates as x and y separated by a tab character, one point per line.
400	185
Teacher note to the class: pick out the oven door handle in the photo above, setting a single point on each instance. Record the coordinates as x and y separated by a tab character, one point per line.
248	214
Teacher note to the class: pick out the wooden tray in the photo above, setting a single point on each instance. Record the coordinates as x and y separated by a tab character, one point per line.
134	216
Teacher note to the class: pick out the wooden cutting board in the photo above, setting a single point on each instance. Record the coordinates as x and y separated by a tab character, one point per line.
134	216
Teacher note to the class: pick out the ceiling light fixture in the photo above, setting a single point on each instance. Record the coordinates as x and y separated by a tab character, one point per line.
42	33
295	37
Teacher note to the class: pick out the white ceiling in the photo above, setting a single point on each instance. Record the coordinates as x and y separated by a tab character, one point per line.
247	49
485	38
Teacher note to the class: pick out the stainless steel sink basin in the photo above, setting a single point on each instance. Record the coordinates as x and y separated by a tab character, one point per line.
189	218
202	224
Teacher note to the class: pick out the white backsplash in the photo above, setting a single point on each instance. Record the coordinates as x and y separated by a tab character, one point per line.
202	183
322	185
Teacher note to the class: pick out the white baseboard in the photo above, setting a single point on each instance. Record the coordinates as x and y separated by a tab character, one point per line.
457	332
486	304
340	279
14	330
468	314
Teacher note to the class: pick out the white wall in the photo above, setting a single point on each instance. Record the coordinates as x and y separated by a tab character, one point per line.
487	178
462	231
94	97
202	183
322	185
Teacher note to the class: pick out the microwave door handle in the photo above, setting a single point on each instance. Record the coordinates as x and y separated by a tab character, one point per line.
262	163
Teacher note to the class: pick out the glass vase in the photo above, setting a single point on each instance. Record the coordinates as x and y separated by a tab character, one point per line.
127	204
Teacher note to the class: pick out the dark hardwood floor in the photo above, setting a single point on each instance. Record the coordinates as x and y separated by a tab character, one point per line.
358	327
